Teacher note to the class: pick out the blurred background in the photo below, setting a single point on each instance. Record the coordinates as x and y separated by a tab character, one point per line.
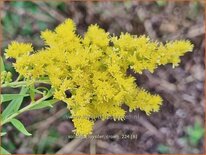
177	128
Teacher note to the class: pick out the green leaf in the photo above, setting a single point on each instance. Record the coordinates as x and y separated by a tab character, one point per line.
3	151
32	92
41	25
18	4
2	65
44	104
20	127
195	133
163	149
9	97
15	19
161	2
8	24
14	105
3	133
27	29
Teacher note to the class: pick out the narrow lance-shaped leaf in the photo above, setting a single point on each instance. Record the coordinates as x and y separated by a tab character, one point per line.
9	97
44	104
14	105
3	151
2	65
20	127
3	133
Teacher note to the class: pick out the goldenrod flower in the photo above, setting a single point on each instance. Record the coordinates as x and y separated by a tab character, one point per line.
94	71
16	49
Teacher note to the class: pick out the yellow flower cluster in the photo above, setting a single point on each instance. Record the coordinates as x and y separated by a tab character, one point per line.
16	49
93	70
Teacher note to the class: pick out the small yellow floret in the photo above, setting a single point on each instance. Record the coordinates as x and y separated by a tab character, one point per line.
16	49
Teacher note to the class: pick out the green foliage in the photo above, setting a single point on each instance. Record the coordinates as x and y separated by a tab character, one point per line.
10	22
195	133
163	149
6	77
45	104
19	126
9	97
58	6
3	151
3	133
14	104
161	2
28	6
2	64
42	25
8	144
12	19
27	29
45	144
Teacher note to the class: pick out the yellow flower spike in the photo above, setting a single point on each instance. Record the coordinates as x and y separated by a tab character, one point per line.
102	39
83	126
49	37
16	49
67	26
93	70
147	102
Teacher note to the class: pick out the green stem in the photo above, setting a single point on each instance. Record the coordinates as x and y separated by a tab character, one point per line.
22	83
18	78
26	108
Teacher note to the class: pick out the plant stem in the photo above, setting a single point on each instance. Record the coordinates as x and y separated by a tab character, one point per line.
21	83
26	108
18	78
